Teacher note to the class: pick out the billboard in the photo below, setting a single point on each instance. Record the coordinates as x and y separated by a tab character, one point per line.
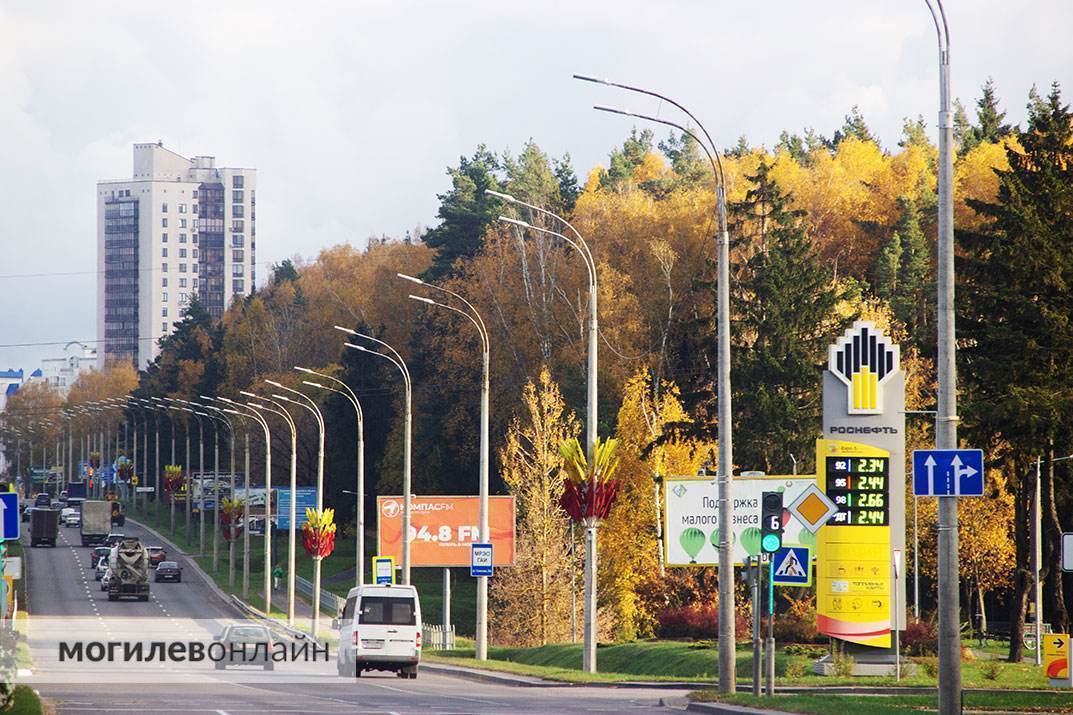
691	517
306	498
442	528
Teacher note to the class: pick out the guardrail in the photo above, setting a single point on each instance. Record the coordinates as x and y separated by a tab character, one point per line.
328	600
436	637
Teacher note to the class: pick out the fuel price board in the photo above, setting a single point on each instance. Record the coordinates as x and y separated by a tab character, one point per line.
860	487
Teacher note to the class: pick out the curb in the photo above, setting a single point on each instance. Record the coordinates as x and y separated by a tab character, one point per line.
721	709
209	581
490	677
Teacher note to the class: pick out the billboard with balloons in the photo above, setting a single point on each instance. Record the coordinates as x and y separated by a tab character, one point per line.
691	517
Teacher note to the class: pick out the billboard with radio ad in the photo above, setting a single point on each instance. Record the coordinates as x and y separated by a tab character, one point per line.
443	527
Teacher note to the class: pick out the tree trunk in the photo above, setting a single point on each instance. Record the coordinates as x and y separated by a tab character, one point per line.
1052	551
1022	497
983	609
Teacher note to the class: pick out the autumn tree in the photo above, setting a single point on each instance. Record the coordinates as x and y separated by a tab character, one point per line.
531	600
32	422
1017	324
631	561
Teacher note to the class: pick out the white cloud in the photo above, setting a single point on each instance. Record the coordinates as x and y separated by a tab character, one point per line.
352	110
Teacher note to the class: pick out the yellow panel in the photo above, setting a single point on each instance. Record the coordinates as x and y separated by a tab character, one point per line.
853	562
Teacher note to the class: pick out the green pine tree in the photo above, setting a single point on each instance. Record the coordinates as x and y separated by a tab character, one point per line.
888	266
913	301
465	211
854	127
1016	328
623	161
990	126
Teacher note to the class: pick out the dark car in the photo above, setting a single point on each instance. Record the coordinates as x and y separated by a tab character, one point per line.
97	553
250	635
43	500
168	571
157	555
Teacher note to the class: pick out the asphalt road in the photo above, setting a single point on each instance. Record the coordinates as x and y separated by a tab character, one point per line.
66	604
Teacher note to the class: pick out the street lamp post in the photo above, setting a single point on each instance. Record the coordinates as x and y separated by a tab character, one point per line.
590	636
474	317
278	409
359	516
398	362
946	420
257	417
317	560
726	461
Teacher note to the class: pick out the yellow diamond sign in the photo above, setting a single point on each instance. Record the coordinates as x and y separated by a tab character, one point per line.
813	508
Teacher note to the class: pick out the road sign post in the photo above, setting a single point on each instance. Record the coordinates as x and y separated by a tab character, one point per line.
948	472
383	570
1067	551
481	560
1056	659
896	562
9	516
792	566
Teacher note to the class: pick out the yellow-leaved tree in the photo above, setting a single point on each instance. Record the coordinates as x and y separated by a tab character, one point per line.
631	550
531	601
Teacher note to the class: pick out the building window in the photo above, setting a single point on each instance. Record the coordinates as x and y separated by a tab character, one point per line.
194	196
194	284
164	311
182	208
164	327
238	240
237	269
164	252
182	238
184	298
195	253
195	238
237	182
163	267
164	207
194	268
237	225
238	285
164	297
163	238
182	253
164	282
238	210
164	222
236	196
182	223
182	282
238	255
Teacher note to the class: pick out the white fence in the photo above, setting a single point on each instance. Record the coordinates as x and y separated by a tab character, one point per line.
437	637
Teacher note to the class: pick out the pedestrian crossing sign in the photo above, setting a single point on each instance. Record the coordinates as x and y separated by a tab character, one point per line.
792	566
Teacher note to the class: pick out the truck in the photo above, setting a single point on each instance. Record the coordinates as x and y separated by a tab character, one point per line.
76	492
129	564
118	517
96	522
44	526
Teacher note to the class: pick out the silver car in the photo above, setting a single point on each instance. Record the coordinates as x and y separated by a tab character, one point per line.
106	580
102	566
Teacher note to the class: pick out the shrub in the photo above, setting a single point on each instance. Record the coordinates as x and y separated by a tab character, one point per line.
699	623
991	669
809	651
920	637
798	623
842	663
795	670
930	666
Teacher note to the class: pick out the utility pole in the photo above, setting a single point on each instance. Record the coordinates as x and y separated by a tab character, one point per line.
946	419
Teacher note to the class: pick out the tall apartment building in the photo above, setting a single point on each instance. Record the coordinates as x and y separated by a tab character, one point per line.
177	229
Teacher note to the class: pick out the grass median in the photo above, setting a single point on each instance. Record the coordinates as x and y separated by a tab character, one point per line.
825	703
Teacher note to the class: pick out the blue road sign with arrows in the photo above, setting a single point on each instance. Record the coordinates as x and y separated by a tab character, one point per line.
9	515
948	472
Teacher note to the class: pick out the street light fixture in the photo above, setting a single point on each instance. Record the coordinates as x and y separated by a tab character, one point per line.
726	461
349	394
398	362
474	317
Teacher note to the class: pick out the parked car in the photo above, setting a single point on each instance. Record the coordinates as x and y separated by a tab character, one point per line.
96	554
380	629
74	519
106	579
102	566
168	571
250	634
114	538
156	556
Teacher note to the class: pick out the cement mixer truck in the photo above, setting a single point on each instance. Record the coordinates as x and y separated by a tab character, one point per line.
129	563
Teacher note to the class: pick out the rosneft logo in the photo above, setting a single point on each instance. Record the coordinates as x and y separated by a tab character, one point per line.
864	358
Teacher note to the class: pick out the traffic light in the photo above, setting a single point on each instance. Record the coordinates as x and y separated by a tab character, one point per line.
771	522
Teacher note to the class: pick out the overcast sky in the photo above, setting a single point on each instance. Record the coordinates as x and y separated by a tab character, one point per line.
350	111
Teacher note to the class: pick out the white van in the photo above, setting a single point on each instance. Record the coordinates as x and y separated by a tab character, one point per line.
380	629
